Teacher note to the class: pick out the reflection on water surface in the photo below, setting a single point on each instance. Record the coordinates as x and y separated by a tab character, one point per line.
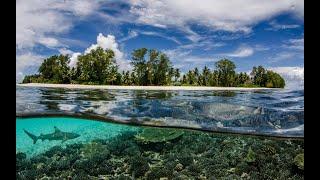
269	112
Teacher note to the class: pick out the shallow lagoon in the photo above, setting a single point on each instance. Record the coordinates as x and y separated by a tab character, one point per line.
115	151
110	149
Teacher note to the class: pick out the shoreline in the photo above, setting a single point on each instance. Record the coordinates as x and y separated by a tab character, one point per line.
165	88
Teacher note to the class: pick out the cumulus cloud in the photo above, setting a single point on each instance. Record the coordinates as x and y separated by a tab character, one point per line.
212	13
294	76
105	42
38	22
242	51
37	18
74	59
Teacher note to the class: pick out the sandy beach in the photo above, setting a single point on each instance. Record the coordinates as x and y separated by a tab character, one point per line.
114	87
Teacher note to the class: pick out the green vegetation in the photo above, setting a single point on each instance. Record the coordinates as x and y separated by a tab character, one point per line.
299	161
154	135
150	67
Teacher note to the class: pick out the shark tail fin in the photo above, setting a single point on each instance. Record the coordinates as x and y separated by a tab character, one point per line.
32	136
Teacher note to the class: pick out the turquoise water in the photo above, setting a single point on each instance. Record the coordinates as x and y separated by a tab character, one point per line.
117	151
87	129
106	150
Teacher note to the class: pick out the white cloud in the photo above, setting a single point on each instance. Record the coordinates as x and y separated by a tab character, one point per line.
38	22
65	51
294	76
151	33
242	51
82	7
275	26
295	44
184	60
260	47
107	42
235	16
37	18
294	49
49	42
286	55
132	34
26	64
206	45
74	59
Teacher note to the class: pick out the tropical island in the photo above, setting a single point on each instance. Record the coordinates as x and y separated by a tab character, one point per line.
150	68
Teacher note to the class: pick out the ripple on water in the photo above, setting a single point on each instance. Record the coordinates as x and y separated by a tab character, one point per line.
264	112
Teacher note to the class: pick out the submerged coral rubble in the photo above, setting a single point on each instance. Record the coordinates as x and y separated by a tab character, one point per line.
168	154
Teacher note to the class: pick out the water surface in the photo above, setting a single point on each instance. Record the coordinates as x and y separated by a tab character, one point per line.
266	112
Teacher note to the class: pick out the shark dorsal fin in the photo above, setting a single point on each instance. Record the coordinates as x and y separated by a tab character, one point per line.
56	129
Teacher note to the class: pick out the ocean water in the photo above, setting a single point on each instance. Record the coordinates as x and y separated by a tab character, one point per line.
248	135
117	151
266	112
87	129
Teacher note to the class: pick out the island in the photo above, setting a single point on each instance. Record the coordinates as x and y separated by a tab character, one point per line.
152	69
149	88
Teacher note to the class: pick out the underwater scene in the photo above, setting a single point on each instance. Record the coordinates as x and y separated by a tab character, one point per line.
127	134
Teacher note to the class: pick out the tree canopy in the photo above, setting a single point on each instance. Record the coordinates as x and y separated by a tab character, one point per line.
97	67
150	67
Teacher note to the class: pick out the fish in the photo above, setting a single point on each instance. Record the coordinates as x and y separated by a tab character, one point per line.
56	135
227	112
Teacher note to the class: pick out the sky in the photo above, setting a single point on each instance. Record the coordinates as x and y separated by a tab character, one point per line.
191	33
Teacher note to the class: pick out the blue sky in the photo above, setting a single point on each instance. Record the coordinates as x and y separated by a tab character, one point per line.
249	32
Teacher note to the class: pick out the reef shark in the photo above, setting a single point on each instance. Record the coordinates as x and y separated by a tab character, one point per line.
56	135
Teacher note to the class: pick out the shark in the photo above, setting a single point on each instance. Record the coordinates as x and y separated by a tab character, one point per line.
56	135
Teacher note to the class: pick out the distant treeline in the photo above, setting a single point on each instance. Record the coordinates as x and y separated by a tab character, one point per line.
150	67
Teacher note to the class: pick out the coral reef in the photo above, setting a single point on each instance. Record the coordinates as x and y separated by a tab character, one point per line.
251	156
156	135
183	155
299	161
